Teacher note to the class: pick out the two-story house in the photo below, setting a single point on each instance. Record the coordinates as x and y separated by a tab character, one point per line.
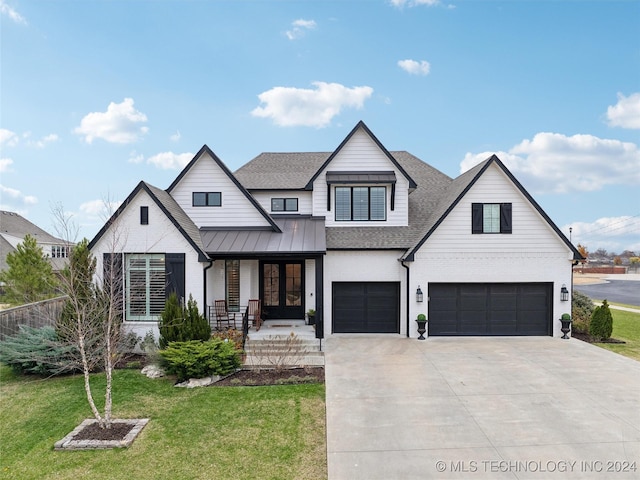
367	237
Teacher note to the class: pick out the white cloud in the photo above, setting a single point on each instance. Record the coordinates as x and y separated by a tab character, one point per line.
414	67
625	113
99	209
552	162
299	29
413	3
289	106
135	157
170	160
614	234
5	164
44	141
11	13
8	138
121	123
18	195
175	137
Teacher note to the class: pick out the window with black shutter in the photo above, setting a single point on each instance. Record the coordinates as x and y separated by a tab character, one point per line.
491	218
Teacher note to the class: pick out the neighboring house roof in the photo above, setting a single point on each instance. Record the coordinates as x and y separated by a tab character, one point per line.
171	209
459	187
223	167
299	235
13	229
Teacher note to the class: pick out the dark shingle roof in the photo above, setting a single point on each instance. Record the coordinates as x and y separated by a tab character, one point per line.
280	171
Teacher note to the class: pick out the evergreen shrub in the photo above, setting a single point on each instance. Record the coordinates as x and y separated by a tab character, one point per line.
198	359
181	324
601	324
581	310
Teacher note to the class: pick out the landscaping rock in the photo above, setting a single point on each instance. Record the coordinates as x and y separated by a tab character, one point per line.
153	371
199	382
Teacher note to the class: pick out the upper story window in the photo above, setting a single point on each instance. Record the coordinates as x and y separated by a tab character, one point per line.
491	218
207	199
284	204
59	251
361	203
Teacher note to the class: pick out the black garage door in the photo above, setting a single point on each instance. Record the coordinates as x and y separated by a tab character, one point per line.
490	309
366	307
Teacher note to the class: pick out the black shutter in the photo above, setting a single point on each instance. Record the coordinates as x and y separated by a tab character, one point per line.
113	277
476	218
174	269
505	218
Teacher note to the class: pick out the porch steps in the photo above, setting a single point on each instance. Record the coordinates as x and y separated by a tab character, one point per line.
273	345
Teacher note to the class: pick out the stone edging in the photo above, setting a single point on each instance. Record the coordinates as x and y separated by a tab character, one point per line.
67	443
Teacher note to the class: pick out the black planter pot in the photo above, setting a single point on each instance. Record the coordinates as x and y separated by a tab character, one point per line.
422	328
566	328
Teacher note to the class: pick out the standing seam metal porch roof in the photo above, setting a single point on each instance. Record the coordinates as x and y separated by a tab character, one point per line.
300	235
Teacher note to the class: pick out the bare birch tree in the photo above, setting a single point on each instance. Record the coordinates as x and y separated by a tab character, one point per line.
92	316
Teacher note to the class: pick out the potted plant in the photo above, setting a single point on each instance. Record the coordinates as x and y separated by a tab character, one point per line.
311	316
565	319
422	325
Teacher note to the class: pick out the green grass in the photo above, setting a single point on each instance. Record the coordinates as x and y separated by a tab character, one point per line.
626	326
275	432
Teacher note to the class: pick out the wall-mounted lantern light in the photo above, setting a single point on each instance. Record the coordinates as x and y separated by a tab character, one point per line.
564	294
419	295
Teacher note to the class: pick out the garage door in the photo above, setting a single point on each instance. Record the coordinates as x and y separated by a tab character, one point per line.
490	309
366	307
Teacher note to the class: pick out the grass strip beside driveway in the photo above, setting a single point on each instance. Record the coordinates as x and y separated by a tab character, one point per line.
275	432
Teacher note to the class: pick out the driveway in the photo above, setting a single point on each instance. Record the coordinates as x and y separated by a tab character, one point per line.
506	407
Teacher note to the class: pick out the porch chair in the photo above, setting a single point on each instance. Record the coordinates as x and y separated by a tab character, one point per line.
254	313
223	315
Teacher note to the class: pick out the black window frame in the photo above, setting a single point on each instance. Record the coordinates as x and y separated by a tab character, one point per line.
286	202
209	199
477	218
351	193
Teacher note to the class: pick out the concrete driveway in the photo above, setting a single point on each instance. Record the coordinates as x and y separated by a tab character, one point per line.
507	407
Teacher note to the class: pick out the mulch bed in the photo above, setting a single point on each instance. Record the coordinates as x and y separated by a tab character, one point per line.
585	337
94	432
289	376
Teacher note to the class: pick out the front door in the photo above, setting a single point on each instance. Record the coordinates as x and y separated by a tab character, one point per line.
282	289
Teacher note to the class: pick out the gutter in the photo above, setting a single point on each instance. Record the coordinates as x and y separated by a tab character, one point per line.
407	288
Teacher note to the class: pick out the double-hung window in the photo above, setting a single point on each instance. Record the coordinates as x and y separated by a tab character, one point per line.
491	218
145	286
361	203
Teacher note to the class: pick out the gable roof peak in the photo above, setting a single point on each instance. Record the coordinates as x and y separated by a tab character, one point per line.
363	126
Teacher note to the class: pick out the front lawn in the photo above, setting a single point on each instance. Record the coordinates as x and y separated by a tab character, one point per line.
275	432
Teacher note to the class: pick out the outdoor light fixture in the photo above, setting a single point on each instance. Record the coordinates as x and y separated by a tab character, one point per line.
419	295
564	293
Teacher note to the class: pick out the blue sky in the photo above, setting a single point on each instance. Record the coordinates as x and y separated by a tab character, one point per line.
98	95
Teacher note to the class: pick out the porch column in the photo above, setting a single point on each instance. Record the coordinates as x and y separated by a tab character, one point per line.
320	296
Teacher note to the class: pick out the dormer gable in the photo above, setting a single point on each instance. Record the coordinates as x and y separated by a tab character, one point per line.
213	198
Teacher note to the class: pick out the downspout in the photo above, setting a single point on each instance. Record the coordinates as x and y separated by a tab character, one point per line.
407	282
204	283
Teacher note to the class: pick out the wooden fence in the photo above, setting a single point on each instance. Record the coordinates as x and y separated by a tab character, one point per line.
34	315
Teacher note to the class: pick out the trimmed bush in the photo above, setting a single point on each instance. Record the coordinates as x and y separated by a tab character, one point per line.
581	311
38	351
180	324
601	324
197	359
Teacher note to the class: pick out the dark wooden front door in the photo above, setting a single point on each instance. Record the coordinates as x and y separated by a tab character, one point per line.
282	289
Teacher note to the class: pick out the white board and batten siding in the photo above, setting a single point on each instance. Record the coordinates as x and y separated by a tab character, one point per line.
533	252
361	153
159	236
206	176
362	266
305	206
